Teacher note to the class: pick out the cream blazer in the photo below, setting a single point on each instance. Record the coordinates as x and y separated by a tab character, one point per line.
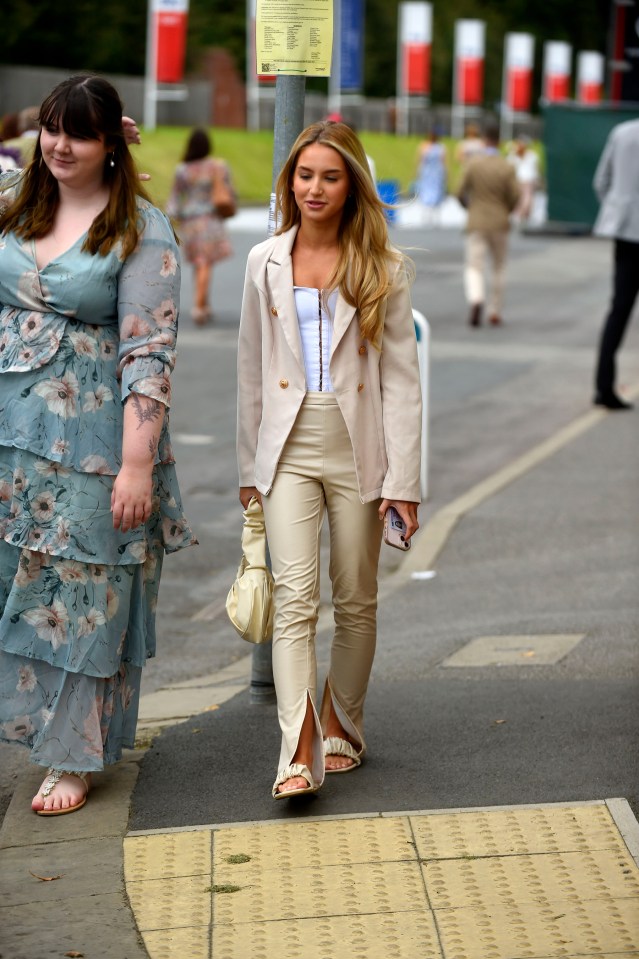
378	393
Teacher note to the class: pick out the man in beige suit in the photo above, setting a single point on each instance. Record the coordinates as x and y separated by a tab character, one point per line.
490	193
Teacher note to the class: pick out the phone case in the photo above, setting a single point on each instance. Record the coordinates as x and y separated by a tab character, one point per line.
394	529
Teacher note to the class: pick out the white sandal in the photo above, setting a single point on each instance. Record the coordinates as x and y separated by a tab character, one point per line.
294	771
54	777
336	746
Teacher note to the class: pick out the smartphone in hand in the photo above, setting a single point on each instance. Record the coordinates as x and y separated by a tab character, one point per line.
395	529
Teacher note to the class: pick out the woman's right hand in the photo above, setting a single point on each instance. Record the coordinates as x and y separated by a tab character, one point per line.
247	493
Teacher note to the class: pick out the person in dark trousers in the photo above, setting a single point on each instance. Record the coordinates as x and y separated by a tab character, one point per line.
616	184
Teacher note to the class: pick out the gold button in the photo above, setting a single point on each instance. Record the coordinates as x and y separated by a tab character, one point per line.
360	387
283	384
362	350
273	311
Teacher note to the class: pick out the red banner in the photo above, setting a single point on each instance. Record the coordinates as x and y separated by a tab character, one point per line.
470	81
417	68
519	89
590	92
171	46
557	88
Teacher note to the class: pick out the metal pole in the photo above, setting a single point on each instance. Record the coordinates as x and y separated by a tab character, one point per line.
150	83
252	84
335	79
289	123
401	104
422	331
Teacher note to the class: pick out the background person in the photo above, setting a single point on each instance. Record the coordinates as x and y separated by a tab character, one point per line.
89	501
471	145
203	234
490	193
526	164
432	176
329	417
616	184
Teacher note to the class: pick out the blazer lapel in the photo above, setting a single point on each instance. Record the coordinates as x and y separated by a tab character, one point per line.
279	270
344	314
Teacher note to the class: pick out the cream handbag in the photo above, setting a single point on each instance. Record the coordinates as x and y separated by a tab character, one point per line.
249	603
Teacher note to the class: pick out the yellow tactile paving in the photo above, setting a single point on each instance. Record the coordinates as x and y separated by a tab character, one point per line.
503	832
193	943
168	855
409	935
548	882
171	903
329	842
548	930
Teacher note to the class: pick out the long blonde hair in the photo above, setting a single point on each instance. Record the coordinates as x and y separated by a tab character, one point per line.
87	106
366	262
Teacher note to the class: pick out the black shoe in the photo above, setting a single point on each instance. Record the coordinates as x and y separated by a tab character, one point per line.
475	315
611	401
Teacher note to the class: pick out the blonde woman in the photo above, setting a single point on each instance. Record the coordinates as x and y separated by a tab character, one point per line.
329	413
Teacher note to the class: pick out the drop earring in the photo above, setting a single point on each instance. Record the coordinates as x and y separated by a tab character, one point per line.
111	162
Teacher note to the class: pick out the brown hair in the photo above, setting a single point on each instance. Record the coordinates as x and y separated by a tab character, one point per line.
364	267
84	106
199	146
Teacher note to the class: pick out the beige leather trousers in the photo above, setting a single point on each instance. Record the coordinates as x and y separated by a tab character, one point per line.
316	473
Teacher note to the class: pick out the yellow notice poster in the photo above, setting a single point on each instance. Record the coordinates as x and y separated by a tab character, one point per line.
294	37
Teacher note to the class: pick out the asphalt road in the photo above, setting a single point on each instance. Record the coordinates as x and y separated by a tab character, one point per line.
495	393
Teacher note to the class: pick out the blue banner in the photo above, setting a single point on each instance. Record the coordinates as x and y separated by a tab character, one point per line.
352	46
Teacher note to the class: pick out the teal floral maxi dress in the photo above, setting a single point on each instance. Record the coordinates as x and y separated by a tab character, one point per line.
77	598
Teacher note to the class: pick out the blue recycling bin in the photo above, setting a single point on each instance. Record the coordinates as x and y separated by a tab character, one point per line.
388	191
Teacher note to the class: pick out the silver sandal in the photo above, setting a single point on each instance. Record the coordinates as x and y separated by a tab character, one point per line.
54	777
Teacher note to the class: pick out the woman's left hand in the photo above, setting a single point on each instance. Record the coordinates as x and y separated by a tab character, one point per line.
132	497
407	511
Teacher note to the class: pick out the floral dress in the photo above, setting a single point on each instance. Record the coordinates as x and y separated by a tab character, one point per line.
202	232
77	598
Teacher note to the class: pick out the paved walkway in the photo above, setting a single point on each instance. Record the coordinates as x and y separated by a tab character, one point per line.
522	882
546	881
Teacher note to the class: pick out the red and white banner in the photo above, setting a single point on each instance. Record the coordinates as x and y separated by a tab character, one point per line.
170	22
590	76
468	79
557	70
415	39
519	59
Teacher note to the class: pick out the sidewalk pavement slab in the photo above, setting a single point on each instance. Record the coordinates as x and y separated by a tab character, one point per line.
543	881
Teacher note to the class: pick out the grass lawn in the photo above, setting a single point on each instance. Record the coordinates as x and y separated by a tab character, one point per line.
250	157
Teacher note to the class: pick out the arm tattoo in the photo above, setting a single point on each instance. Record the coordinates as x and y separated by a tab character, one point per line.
153	445
146	414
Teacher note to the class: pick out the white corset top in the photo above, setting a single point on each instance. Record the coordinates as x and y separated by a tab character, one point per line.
315	312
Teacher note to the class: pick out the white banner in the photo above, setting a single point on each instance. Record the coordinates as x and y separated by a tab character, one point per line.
590	76
557	70
468	78
415	37
170	6
519	57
